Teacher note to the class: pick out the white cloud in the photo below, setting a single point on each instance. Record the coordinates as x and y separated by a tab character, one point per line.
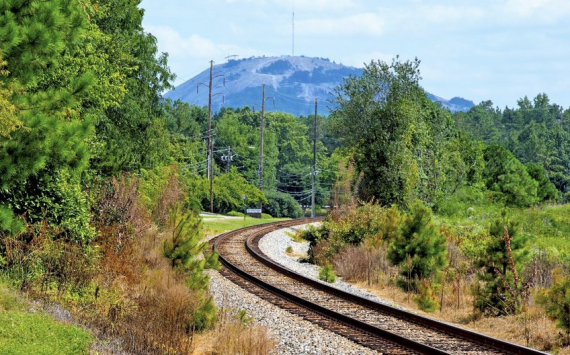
361	24
194	46
190	55
358	60
445	14
547	11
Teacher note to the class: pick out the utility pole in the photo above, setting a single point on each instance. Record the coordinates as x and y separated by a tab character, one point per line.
314	175
209	144
261	139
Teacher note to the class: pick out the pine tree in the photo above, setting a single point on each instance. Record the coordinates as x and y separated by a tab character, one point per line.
418	247
187	252
498	274
33	36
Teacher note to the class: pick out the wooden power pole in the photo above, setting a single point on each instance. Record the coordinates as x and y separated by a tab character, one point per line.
263	98
210	145
314	175
210	150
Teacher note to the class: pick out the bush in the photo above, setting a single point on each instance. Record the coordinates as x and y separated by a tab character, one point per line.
501	291
235	214
281	205
556	302
54	196
426	299
351	225
228	191
417	246
327	274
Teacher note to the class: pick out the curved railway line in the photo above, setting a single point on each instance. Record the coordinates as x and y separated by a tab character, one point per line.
371	324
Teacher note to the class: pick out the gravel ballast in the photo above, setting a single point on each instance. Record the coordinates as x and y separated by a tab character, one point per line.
292	334
274	245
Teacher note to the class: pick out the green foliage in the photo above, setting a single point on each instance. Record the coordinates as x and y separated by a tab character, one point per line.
52	137
205	316
280	204
8	223
500	260
394	132
376	114
8	119
34	34
235	214
132	135
56	197
425	299
556	301
418	247
228	191
350	225
326	273
535	132
185	242
506	175
546	190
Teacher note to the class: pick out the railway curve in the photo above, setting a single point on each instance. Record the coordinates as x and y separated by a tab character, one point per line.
372	324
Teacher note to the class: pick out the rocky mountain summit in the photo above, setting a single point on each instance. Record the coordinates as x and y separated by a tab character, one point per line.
293	82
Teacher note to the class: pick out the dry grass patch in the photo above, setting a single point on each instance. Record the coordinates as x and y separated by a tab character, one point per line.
531	328
234	336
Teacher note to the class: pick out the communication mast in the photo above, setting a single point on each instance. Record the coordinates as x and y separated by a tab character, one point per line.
293	31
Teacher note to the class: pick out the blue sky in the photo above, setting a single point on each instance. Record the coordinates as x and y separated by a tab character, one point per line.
499	50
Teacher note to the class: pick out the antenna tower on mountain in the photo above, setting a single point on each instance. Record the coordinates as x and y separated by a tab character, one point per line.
293	28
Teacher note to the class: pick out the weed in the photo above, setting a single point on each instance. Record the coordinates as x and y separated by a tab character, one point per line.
327	274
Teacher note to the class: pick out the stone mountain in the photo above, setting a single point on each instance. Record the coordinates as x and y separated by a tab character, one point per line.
294	83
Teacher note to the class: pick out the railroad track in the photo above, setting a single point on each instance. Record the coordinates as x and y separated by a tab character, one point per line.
371	324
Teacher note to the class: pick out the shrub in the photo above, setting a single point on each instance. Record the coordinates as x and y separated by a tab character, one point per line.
556	302
426	299
281	205
351	225
327	274
289	249
235	214
502	291
417	246
55	196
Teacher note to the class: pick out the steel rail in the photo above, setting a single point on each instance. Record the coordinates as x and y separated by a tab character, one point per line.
251	244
